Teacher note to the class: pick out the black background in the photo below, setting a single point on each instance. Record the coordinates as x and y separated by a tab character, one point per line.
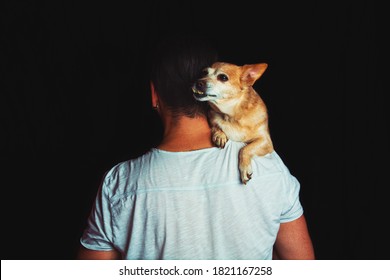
75	101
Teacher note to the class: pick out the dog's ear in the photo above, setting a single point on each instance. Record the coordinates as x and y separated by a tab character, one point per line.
252	72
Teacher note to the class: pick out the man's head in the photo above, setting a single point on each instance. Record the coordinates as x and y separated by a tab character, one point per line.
175	64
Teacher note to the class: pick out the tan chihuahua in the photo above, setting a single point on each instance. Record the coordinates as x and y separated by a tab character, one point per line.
237	111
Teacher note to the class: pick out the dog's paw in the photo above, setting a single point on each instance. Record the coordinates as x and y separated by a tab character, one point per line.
219	138
245	173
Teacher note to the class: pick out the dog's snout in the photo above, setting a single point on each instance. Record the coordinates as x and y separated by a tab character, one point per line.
200	85
199	88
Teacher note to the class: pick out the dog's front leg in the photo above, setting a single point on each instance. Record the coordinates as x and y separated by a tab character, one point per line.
218	136
258	147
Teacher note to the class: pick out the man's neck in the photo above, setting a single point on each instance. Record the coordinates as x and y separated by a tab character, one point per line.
186	134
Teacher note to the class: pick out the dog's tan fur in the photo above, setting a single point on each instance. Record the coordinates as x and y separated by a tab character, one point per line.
237	111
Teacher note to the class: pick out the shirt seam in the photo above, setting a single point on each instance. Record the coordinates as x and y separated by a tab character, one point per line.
193	188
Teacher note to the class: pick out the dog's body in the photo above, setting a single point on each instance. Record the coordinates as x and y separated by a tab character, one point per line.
237	111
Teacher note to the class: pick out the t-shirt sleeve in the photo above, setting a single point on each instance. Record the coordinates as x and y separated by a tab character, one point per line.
98	232
292	209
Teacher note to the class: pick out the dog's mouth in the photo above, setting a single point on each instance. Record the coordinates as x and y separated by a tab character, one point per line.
197	91
199	95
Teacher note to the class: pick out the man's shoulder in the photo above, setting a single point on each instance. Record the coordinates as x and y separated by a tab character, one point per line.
123	168
116	179
271	162
265	165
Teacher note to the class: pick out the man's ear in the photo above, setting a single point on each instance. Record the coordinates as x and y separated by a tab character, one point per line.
154	96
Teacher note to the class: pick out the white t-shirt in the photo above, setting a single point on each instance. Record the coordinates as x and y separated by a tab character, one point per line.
192	205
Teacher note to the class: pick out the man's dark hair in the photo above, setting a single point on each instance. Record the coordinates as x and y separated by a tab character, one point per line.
176	63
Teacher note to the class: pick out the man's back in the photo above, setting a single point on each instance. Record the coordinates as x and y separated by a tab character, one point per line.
192	205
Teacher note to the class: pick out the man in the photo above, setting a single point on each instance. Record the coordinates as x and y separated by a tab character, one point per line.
183	199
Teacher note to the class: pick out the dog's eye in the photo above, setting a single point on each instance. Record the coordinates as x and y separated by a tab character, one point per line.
222	77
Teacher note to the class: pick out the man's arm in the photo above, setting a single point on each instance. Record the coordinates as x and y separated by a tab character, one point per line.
86	254
293	241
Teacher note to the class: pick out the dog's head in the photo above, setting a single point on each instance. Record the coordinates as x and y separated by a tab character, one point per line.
224	81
